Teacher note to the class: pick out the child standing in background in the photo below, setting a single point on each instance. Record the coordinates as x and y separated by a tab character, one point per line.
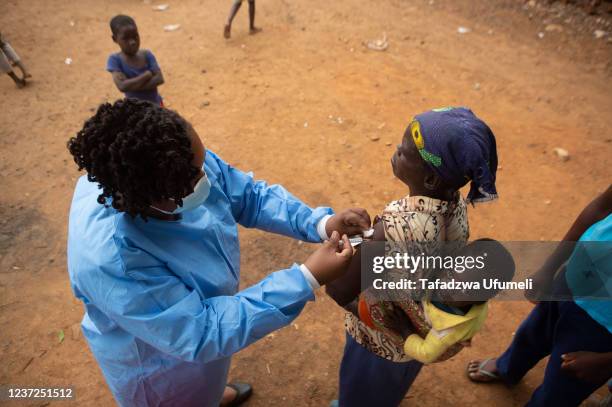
135	71
8	59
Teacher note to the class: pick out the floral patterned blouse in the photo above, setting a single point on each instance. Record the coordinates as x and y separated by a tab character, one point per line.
416	219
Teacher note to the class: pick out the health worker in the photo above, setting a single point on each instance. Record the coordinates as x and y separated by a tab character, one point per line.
153	254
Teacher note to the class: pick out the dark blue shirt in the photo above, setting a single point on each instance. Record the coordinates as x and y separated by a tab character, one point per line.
116	64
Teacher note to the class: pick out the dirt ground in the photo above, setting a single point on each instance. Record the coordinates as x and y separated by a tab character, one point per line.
307	105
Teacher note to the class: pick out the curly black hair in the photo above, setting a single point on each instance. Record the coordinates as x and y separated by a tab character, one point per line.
138	153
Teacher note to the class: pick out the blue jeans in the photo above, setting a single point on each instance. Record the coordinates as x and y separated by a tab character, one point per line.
554	328
367	380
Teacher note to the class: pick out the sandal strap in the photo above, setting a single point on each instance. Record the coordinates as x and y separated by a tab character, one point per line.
482	372
486	372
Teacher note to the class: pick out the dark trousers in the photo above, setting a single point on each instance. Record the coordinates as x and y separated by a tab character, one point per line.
367	380
554	328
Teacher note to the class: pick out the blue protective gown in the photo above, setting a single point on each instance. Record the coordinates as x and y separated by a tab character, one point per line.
163	313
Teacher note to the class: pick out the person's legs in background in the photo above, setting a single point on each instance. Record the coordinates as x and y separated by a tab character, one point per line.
5	67
13	58
575	331
552	328
369	380
252	28
227	30
532	342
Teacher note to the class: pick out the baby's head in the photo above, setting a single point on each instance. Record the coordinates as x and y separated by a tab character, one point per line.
125	34
444	149
489	260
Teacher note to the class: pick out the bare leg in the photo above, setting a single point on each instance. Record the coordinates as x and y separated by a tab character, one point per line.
14	59
18	81
23	69
252	28
227	31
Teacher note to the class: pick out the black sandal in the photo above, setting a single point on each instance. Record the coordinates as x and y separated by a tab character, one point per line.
243	392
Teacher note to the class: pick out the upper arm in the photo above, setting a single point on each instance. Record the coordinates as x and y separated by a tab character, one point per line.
153	66
595	211
237	185
158	77
152	62
379	231
272	208
600	207
606	200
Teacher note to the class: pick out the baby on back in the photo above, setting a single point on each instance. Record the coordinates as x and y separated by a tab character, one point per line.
455	313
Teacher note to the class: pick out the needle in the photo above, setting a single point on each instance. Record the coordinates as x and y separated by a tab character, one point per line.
358	239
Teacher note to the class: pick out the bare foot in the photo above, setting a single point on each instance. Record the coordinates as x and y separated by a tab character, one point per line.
227	31
482	371
24	72
19	82
229	394
254	30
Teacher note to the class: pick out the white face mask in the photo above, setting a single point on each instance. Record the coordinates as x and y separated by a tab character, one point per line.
194	199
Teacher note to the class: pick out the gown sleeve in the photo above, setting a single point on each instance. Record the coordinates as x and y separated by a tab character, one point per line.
154	305
255	204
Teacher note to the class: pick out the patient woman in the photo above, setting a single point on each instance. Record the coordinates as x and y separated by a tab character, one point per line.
441	151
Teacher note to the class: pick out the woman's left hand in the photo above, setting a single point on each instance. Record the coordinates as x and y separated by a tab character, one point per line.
349	222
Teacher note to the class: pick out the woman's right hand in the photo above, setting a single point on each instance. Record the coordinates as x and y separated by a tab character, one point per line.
331	260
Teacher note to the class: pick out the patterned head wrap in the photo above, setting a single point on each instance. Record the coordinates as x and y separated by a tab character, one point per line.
458	147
